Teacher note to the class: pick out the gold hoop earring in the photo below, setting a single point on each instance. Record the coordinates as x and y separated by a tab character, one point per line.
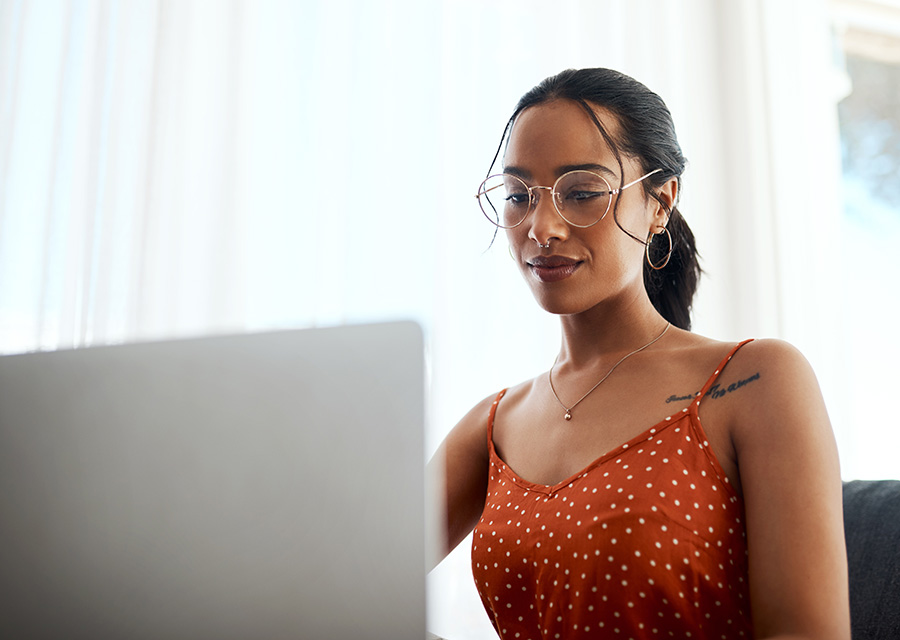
656	267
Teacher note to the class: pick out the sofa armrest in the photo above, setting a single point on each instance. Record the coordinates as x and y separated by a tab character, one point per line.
872	533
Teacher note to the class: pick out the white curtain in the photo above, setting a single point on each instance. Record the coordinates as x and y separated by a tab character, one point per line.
176	168
186	167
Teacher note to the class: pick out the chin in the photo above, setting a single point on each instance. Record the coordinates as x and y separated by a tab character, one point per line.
559	305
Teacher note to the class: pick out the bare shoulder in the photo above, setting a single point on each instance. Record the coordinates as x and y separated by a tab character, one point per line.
783	379
472	427
479	413
763	396
761	368
470	433
773	354
687	347
791	486
462	464
518	394
782	410
690	356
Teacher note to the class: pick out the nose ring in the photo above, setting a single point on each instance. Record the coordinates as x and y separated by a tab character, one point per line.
544	246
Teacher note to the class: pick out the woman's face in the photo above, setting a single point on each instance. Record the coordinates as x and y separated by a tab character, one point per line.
583	267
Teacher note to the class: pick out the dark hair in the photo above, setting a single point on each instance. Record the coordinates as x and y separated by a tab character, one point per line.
647	133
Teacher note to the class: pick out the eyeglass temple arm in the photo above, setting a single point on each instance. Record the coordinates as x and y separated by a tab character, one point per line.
646	175
481	193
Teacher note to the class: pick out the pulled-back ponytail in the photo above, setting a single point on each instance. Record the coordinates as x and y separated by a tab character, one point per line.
671	289
646	133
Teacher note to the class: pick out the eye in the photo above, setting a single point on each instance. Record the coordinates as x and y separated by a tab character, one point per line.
583	188
519	198
581	195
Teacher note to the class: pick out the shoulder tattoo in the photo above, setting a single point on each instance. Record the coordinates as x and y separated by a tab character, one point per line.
715	391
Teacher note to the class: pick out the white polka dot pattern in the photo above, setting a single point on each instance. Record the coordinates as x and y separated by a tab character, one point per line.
646	542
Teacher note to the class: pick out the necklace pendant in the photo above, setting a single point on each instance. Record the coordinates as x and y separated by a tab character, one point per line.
568	415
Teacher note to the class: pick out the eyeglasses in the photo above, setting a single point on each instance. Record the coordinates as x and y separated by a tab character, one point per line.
581	198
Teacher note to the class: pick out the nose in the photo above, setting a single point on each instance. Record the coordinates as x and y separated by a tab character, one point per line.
546	223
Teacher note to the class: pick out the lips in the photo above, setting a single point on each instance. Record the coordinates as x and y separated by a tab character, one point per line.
553	268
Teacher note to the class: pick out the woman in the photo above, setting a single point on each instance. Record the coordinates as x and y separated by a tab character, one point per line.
653	483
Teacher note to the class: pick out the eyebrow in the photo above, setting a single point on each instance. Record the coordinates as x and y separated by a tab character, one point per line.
519	172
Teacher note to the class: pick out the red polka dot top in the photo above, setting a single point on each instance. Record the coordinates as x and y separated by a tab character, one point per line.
648	541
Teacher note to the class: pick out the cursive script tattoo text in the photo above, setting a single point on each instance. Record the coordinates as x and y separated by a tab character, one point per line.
715	391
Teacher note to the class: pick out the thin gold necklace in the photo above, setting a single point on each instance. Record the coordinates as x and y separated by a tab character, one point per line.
568	410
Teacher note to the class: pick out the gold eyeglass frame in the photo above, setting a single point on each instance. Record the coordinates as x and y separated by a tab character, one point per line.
554	196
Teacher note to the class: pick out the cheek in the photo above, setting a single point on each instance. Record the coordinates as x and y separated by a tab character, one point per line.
516	238
627	236
616	259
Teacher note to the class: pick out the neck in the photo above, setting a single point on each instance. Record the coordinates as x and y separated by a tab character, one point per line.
601	334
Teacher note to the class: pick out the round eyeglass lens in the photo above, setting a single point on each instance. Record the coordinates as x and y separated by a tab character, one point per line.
582	197
504	199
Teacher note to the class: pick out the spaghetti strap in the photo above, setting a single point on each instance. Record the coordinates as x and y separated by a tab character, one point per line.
718	371
490	425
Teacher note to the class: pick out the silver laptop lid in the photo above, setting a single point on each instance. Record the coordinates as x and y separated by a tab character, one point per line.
252	486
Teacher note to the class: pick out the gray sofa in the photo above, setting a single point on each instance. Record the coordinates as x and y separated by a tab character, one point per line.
872	531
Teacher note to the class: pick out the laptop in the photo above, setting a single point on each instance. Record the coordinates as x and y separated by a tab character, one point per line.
252	486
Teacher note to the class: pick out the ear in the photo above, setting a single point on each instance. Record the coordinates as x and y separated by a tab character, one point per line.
668	193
